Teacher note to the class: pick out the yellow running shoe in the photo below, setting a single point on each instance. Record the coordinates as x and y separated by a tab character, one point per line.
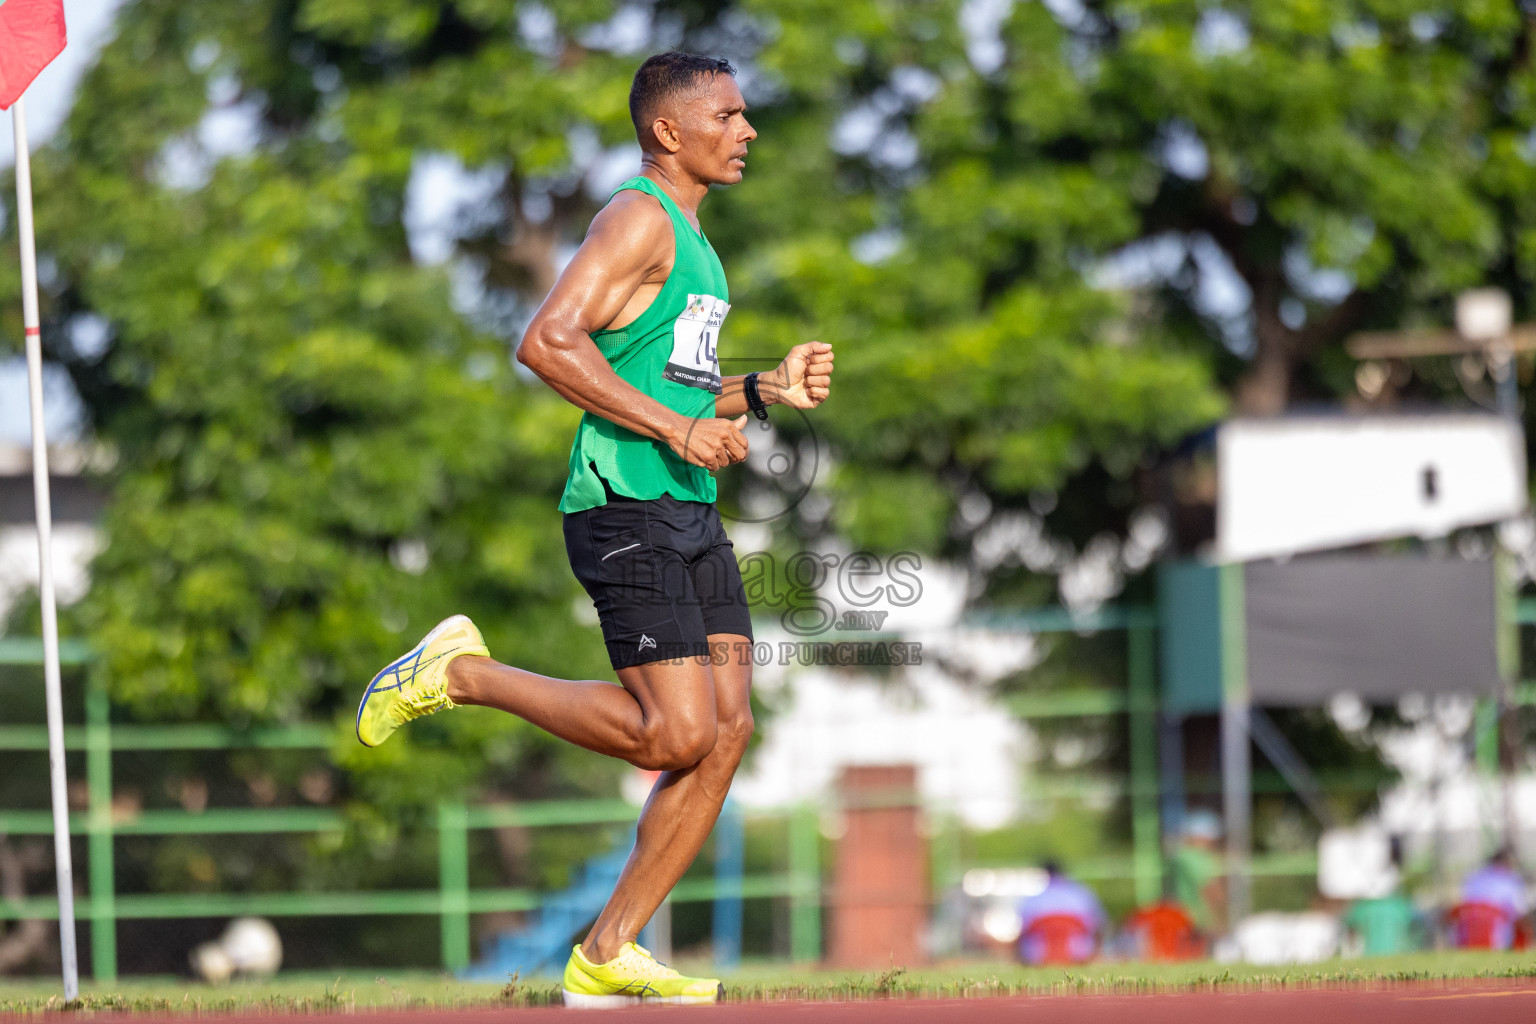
632	977
417	683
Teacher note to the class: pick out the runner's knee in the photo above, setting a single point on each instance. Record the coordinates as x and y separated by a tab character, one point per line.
734	733
673	744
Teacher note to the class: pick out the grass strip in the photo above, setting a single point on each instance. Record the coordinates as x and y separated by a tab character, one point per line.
767	982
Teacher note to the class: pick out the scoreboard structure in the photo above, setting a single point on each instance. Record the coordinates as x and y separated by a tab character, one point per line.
1296	600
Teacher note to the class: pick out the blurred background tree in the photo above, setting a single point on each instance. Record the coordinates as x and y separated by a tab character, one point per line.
316	439
288	244
1075	218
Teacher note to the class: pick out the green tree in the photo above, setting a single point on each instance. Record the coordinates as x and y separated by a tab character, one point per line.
941	220
313	454
955	208
1012	229
1329	166
316	451
303	418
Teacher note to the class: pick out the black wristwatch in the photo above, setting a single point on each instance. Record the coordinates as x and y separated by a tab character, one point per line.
754	400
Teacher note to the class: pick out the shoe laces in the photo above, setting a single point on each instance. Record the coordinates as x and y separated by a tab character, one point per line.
414	700
638	960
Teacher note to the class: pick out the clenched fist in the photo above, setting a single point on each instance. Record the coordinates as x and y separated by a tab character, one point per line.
803	380
711	443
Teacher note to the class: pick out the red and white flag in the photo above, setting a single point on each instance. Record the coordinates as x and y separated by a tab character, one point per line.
31	35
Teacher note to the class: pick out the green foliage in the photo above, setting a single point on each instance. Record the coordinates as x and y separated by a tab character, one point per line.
314	455
317	450
974	353
1352	164
1385	144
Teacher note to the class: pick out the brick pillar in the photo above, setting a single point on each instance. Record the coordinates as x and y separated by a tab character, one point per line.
879	900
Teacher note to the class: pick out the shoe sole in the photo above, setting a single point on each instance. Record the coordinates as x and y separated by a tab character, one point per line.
582	1001
435	632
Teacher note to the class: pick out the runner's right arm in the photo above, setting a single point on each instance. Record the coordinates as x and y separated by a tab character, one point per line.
628	245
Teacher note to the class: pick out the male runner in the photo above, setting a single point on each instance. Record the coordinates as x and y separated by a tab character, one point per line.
629	335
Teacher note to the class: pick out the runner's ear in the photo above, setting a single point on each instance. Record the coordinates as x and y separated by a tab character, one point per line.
665	132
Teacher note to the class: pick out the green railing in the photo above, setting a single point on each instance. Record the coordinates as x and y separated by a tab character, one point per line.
1138	700
454	900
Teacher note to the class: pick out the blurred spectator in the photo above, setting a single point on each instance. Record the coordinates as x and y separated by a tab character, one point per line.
1498	884
1162	932
1388	924
1195	871
1062	923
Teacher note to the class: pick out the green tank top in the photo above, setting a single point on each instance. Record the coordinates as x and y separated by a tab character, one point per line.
668	352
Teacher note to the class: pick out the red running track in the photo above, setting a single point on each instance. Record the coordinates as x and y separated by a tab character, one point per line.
1429	1004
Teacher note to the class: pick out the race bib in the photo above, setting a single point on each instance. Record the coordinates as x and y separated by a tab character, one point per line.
694	333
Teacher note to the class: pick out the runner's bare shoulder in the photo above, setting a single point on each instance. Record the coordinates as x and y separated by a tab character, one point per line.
633	229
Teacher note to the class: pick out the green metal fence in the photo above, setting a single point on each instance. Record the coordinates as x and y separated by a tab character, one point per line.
1138	700
454	900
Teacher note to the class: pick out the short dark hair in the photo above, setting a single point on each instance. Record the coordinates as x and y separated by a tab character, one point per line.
667	73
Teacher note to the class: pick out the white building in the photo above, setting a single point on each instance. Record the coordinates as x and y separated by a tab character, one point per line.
77	504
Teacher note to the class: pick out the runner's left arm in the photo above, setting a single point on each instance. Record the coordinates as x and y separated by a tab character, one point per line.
802	381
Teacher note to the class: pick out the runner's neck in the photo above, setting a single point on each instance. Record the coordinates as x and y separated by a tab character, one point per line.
683	191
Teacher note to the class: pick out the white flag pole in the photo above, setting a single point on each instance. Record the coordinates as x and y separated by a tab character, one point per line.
62	860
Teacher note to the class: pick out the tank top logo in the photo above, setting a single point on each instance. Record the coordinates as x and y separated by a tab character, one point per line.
694	333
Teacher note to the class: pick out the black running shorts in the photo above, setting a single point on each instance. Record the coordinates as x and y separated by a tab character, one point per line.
662	574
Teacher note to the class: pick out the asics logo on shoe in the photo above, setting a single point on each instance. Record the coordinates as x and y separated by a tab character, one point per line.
646	641
399	667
